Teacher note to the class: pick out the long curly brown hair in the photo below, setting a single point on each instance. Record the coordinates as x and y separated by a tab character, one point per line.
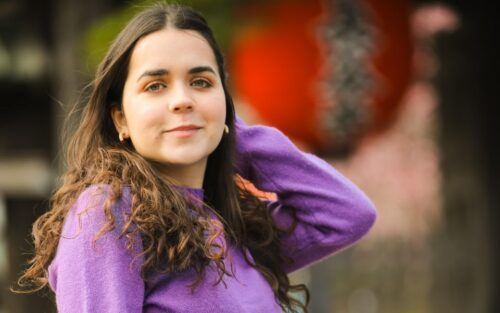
172	239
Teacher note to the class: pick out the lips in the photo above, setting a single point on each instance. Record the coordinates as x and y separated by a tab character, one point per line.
185	127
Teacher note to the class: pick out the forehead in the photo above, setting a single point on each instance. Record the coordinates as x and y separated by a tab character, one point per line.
172	49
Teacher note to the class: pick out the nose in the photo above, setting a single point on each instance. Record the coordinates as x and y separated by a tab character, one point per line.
180	99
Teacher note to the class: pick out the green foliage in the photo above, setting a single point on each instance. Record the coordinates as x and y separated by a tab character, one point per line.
99	36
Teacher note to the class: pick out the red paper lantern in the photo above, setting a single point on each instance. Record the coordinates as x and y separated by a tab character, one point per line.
278	62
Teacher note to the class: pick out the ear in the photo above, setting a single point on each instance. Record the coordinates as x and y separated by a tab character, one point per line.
119	120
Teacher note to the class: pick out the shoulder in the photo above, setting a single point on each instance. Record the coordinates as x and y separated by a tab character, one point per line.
88	211
82	245
96	195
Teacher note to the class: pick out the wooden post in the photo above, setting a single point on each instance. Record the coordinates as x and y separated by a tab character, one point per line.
465	253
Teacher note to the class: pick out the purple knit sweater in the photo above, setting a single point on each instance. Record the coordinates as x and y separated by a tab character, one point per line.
333	214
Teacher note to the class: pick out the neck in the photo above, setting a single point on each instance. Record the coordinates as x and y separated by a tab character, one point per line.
187	176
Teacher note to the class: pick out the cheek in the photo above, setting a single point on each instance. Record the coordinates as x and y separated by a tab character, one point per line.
218	108
220	112
143	117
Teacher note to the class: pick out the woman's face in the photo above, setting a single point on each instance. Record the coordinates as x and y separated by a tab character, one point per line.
173	81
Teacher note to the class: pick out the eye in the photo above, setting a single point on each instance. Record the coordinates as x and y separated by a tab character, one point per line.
202	83
155	87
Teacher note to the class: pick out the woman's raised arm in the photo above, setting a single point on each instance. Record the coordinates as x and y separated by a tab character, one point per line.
332	212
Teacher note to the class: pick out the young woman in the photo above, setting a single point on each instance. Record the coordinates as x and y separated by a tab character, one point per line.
150	216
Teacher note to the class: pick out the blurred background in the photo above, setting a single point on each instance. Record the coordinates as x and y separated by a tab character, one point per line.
398	95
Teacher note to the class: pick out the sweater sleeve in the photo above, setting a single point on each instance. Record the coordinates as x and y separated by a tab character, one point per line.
332	212
100	277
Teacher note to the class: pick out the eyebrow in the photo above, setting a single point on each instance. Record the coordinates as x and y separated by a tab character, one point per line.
162	72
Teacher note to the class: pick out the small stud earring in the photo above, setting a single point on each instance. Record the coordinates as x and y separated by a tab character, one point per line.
120	135
226	129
